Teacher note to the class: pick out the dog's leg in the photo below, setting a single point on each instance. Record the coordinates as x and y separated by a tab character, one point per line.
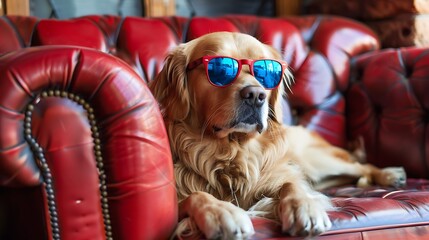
216	218
327	165
302	210
336	164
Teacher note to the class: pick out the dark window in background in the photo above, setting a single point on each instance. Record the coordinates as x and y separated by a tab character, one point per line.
74	8
62	9
222	7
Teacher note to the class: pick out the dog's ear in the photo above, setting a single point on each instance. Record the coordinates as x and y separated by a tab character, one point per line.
276	98
275	101
170	86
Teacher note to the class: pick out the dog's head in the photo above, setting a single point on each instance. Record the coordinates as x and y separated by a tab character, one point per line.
242	106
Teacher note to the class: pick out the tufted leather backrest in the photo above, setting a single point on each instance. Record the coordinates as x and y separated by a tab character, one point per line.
142	42
388	107
317	48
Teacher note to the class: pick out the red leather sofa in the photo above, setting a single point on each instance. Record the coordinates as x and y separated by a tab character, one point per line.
84	153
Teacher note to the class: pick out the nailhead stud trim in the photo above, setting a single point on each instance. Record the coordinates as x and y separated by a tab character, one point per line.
46	172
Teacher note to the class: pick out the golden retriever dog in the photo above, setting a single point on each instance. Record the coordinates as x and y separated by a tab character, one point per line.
233	158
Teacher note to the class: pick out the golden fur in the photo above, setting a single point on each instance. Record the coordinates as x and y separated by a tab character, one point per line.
268	171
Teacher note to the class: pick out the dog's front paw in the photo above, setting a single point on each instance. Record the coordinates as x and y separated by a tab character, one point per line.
222	220
304	216
392	176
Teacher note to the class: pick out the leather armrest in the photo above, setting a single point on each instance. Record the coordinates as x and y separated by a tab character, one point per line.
85	85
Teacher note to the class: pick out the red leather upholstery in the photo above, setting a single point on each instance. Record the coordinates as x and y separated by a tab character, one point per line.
339	91
135	148
388	107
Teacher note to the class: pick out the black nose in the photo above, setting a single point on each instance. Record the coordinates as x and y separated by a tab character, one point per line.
253	95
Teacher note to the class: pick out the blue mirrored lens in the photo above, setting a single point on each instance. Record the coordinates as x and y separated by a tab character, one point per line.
268	72
222	70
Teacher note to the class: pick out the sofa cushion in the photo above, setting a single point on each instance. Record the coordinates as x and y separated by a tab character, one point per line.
387	107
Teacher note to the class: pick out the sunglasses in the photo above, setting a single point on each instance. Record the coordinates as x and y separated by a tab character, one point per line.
222	71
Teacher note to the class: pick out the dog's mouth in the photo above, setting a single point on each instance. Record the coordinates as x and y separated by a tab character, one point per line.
249	126
238	128
248	119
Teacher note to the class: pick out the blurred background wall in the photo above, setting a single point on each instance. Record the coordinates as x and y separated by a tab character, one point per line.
62	9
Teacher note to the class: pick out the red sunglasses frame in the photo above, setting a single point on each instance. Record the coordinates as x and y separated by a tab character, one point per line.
206	59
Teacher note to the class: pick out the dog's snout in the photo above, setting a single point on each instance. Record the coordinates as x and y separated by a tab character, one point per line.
253	95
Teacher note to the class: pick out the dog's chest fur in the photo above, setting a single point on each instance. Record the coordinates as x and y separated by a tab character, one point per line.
228	169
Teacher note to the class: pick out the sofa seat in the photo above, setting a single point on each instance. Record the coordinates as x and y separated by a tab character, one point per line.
340	77
367	213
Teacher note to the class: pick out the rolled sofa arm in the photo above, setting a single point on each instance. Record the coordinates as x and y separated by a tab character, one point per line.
84	125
